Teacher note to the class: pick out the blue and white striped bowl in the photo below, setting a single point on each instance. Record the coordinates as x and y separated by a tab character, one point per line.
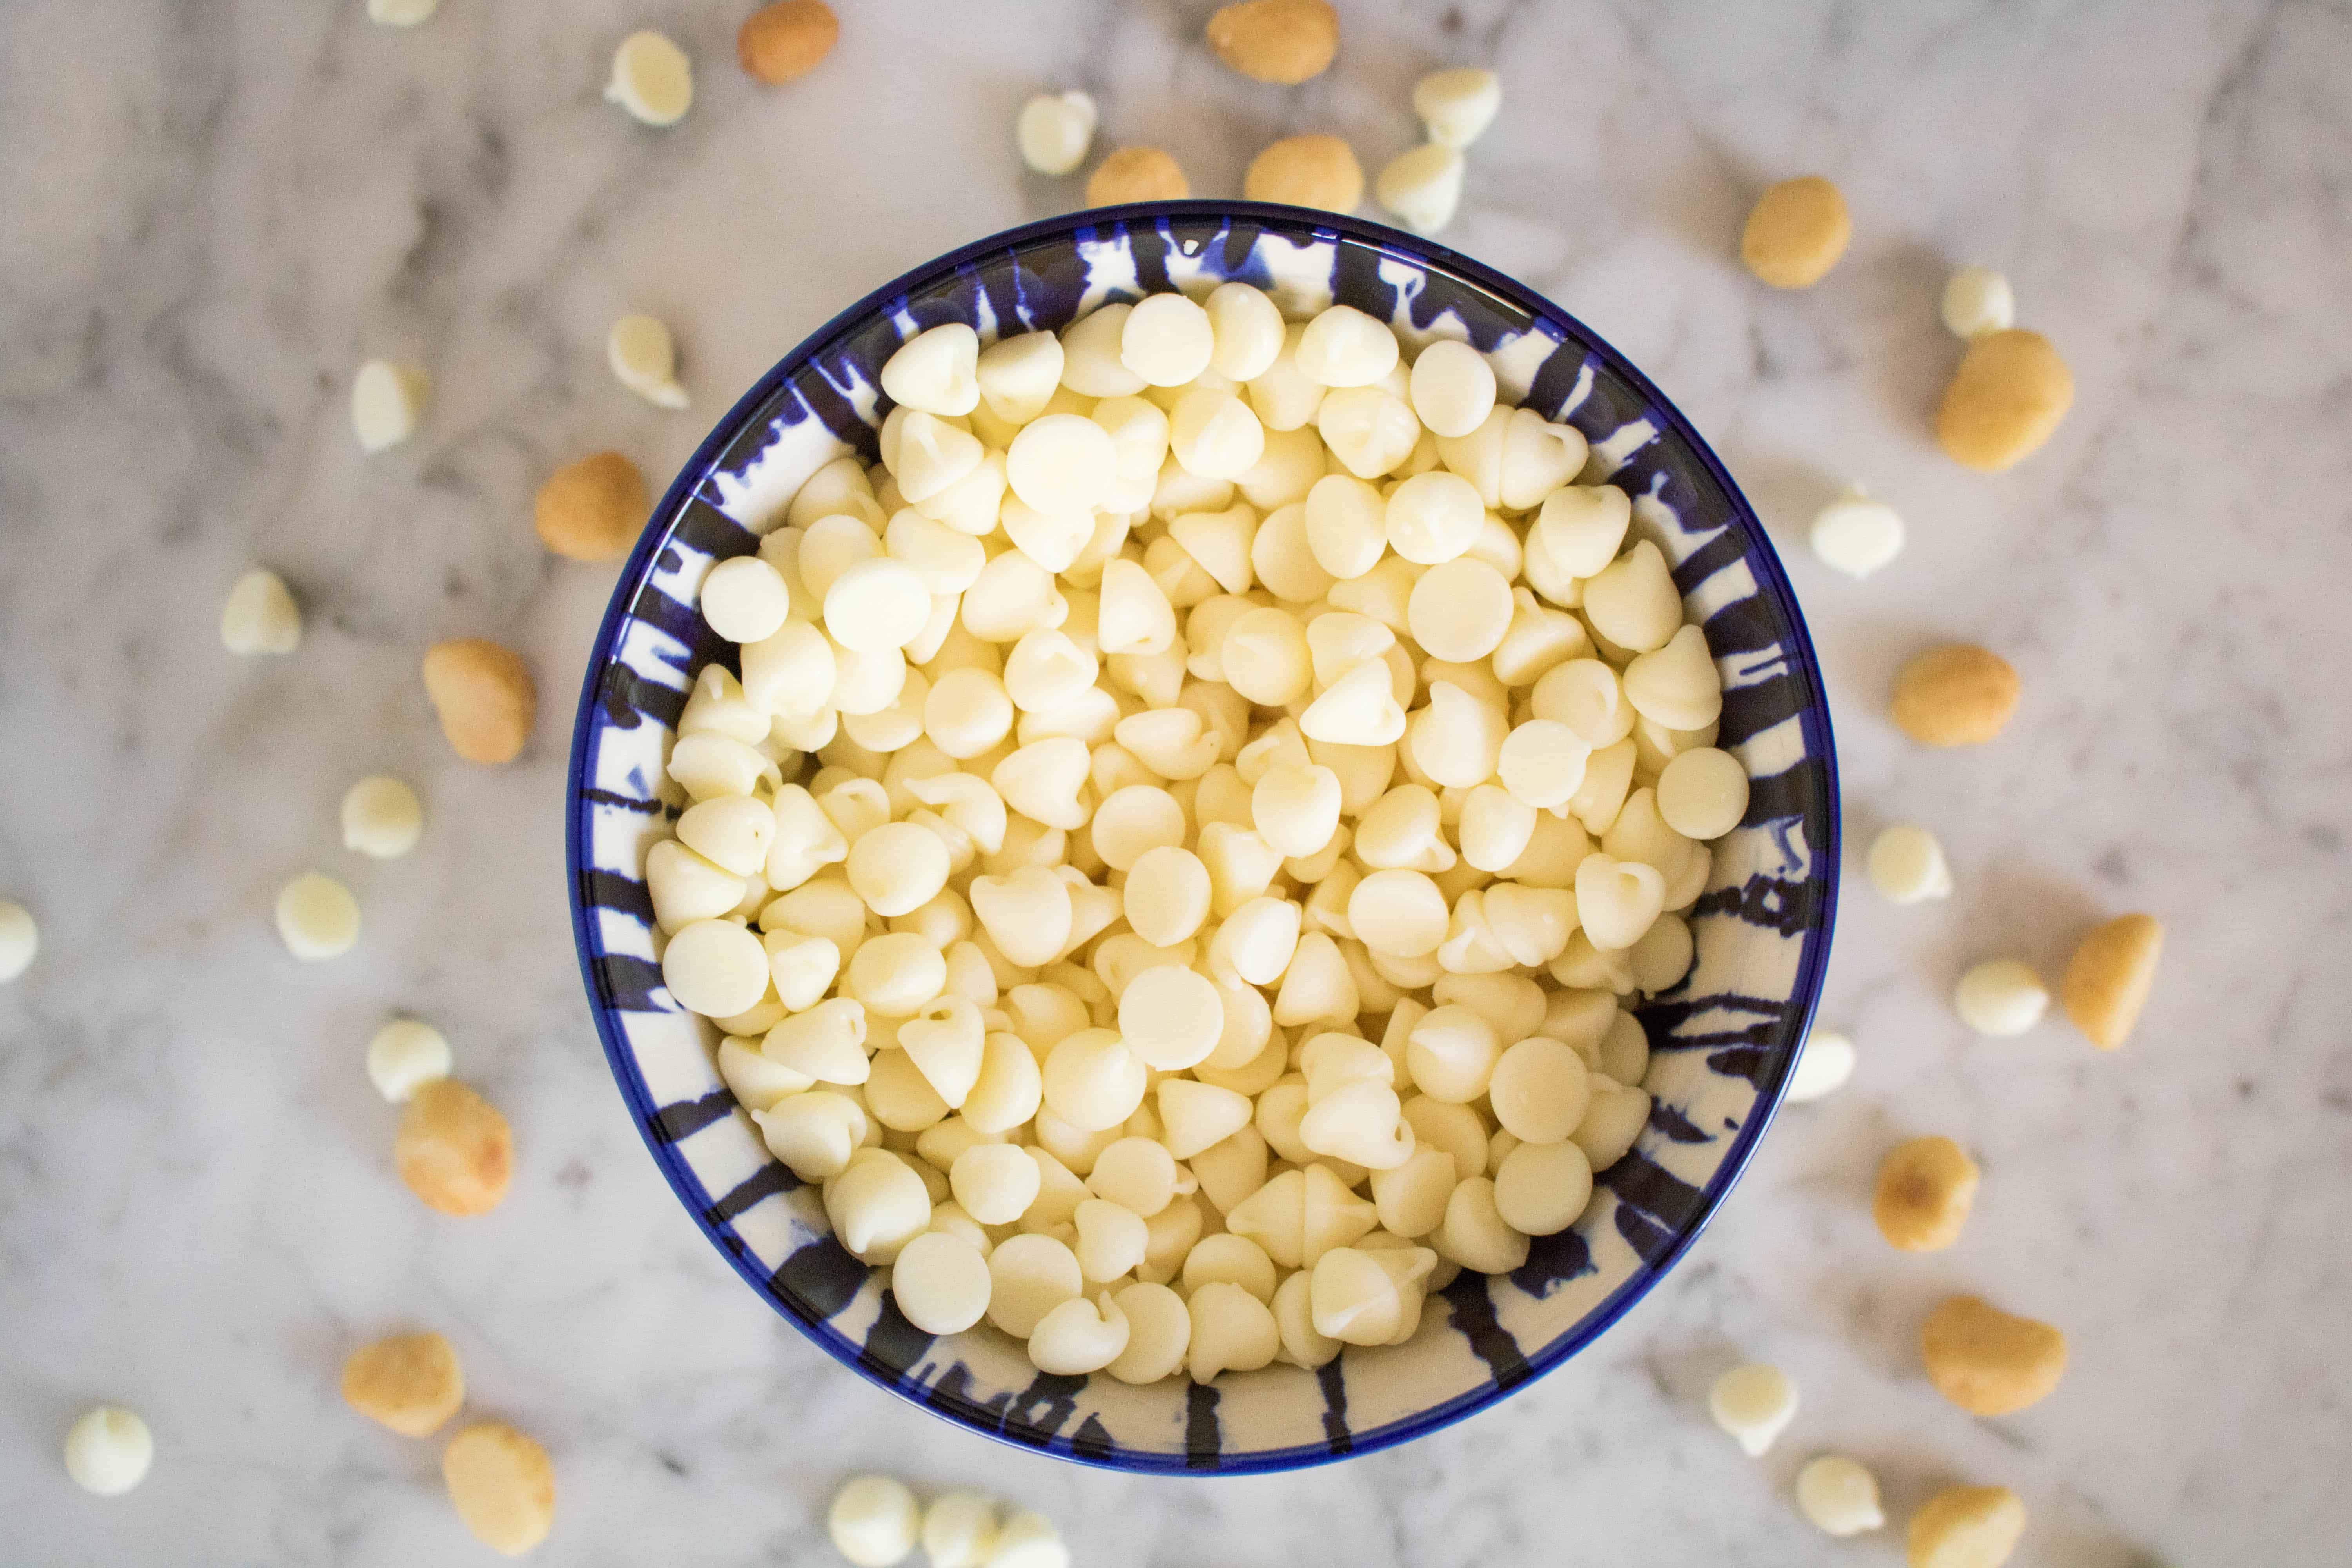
1722	1043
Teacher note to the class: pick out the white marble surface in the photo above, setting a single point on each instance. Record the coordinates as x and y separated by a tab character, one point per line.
214	211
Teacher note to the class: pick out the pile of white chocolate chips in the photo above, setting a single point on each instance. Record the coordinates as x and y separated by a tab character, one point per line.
1251	779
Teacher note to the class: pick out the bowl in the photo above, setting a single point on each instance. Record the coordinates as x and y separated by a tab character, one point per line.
1723	1041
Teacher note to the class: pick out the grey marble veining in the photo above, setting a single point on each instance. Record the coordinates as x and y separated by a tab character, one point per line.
215	210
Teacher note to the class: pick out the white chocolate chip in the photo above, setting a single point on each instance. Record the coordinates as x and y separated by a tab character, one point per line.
1978	301
1856	535
1055	131
20	939
260	615
1838	1496
382	818
1422	186
959	1528
387	400
873	1521
643	358
1907	865
401	13
1754	1404
404	1054
109	1450
1823	1064
2001	998
652	79
317	917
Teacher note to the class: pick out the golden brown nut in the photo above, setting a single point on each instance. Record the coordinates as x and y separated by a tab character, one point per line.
1987	1361
1925	1187
1956	695
2108	978
1283	41
411	1382
591	509
484	695
2005	400
787	40
454	1150
503	1486
1796	232
1307	172
1966	1527
1136	175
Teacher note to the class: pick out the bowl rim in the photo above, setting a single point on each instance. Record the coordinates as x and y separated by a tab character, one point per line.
1771	582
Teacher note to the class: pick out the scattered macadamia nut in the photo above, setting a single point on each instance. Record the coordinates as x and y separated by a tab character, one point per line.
1796	232
406	1055
593	508
1314	171
875	1522
1838	1496
1925	1187
1856	535
1457	106
2006	399
1281	41
20	939
1422	186
382	818
1093	910
1965	1527
785	41
503	1486
1055	130
1823	1064
1907	865
317	917
643	357
1989	1362
2108	980
454	1150
387	400
109	1450
410	1382
652	79
1956	695
260	615
1136	175
1754	1404
2000	998
483	693
402	13
1977	300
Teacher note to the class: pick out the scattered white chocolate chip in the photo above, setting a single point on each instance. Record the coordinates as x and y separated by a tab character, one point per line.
382	818
317	917
108	1450
1856	535
20	939
1978	301
1422	186
1907	865
260	615
1838	1496
1754	1404
1030	1541
401	13
959	1528
387	400
873	1521
404	1055
1055	130
643	358
1457	105
2001	998
652	79
1823	1064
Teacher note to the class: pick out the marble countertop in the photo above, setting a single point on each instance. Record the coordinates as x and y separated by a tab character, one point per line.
215	211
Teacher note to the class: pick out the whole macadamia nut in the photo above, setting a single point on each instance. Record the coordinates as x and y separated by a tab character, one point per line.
1956	695
1136	175
410	1382
503	1486
2006	399
592	508
1989	1362
1307	172
1280	41
484	696
1796	232
787	40
454	1150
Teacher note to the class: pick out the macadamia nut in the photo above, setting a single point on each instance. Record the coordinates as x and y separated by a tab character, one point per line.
454	1149
785	41
2007	398
1956	695
1796	232
503	1486
1987	1361
1925	1187
1965	1527
1314	171
1281	41
1136	175
2108	978
410	1382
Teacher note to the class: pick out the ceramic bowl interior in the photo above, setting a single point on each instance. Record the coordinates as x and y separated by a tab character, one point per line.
1722	1042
